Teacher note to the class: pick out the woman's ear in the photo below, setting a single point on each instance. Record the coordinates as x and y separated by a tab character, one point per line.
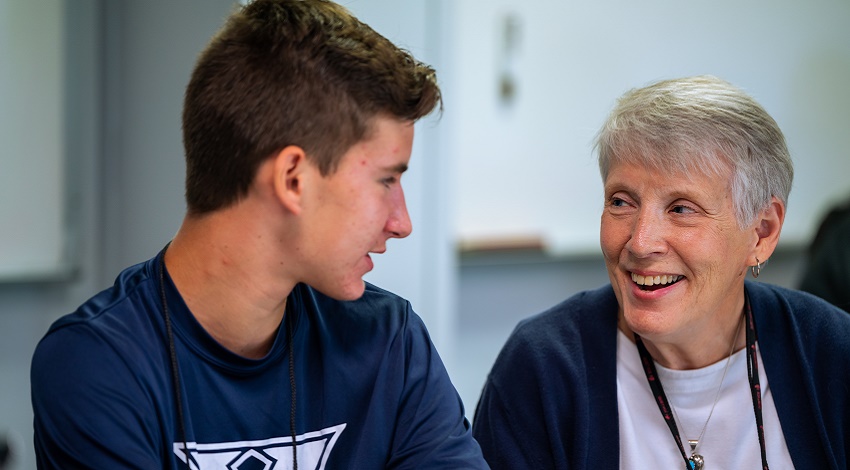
768	224
290	173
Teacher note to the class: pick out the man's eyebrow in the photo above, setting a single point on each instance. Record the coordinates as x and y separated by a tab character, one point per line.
400	168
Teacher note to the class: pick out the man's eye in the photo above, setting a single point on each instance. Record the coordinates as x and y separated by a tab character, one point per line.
682	210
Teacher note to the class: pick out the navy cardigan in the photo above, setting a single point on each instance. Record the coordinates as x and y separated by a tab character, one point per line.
550	400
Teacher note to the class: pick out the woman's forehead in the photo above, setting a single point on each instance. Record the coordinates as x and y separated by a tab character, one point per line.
685	162
634	175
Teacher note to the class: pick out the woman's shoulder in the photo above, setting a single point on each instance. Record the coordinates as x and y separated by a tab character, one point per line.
574	328
771	294
563	346
805	311
582	310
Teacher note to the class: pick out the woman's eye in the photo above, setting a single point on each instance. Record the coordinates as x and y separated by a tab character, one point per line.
682	210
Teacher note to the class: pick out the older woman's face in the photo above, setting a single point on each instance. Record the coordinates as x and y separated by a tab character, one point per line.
675	254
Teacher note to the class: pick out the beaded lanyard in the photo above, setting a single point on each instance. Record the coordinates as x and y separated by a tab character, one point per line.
649	369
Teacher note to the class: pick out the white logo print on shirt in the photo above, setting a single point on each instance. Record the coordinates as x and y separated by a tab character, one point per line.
314	448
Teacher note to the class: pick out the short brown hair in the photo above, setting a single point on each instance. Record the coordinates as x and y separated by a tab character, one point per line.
291	72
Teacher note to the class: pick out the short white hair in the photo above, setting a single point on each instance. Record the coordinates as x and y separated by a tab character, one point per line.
701	125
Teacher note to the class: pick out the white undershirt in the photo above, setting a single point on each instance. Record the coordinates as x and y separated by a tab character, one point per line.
730	440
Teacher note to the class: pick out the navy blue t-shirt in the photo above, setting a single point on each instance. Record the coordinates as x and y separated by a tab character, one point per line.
371	390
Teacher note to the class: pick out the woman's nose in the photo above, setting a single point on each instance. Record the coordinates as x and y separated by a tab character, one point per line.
647	237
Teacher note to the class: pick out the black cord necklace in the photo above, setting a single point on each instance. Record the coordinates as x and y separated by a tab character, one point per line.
695	462
175	371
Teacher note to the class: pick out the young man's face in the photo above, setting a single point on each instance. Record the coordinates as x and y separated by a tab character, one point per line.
355	210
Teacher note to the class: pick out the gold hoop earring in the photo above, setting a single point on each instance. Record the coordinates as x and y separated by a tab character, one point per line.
756	270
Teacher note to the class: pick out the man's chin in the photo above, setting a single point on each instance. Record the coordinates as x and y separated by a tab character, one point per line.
352	291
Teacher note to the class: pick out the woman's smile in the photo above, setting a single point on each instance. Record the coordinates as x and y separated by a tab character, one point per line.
655	282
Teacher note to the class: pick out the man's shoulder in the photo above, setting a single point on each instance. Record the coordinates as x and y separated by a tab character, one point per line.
118	315
373	294
105	348
377	311
375	302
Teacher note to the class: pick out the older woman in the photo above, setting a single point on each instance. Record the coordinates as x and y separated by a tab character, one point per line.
679	362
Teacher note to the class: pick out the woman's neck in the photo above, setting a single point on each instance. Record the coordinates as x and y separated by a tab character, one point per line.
700	350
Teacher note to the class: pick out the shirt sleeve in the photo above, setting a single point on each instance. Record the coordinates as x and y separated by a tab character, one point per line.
500	434
91	409
510	425
432	431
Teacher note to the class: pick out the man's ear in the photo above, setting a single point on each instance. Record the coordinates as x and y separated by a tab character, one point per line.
768	224
290	173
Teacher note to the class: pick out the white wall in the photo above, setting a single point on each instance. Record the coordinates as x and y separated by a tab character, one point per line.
422	266
527	169
150	48
31	129
28	307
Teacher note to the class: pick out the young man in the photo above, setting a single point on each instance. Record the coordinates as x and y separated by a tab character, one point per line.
251	340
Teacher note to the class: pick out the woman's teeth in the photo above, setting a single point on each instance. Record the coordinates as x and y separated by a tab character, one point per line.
649	281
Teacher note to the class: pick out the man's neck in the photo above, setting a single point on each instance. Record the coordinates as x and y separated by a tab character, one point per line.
221	268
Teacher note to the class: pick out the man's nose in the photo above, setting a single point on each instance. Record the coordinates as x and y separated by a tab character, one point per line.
398	224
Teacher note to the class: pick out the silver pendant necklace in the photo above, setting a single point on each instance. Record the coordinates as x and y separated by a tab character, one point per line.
696	460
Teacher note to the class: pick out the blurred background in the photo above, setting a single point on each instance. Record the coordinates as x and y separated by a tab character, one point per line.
503	189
